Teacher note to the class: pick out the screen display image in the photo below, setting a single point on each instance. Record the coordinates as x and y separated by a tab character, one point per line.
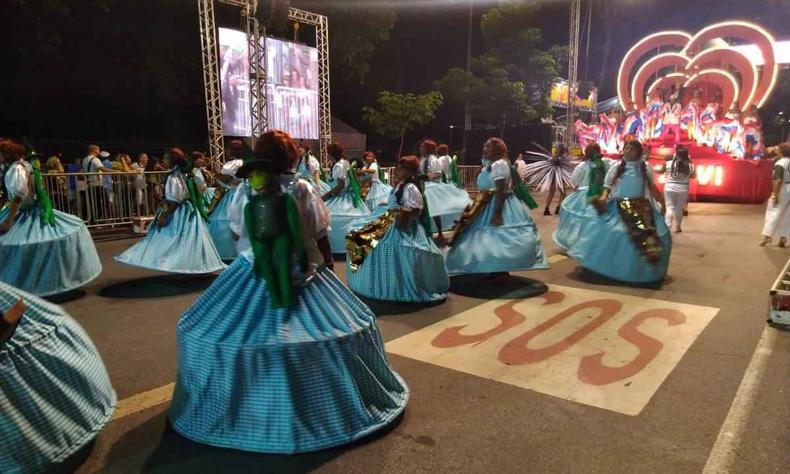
234	69
292	88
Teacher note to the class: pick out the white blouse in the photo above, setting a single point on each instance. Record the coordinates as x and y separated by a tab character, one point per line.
412	197
176	189
312	164
375	168
500	170
18	180
580	175
340	170
430	164
444	163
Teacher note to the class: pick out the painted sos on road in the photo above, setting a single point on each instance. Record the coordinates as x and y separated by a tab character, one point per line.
602	349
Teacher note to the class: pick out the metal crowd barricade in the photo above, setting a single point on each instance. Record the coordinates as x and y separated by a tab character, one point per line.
104	200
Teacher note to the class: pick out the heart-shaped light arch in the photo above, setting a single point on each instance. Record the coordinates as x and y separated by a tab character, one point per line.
753	90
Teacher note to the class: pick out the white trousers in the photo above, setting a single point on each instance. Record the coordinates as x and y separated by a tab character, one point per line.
777	217
676	202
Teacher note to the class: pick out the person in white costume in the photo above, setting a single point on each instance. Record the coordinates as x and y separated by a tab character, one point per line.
777	215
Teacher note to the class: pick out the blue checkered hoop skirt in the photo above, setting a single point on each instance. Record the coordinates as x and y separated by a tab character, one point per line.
606	248
575	212
485	248
445	201
55	394
341	213
378	194
405	266
261	379
184	245
46	260
219	224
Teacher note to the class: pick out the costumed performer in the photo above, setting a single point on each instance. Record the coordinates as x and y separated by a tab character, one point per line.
552	174
375	190
777	214
344	200
277	355
496	233
178	240
218	201
445	202
629	241
309	168
577	210
449	166
55	394
42	251
391	256
677	171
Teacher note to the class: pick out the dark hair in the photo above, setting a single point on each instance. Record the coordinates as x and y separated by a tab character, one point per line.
11	149
442	149
335	150
681	164
500	149
592	151
621	166
784	149
196	155
278	148
412	164
429	145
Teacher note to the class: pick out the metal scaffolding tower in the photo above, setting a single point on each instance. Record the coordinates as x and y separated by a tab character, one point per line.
257	54
573	71
211	87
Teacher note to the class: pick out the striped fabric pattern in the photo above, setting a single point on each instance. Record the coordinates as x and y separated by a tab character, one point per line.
46	260
55	394
219	225
377	195
261	379
575	212
341	213
485	248
184	245
405	266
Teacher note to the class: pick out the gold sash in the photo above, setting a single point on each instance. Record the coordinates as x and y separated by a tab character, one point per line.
219	192
471	212
360	243
637	215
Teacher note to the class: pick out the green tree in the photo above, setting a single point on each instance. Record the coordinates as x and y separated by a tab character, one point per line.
508	84
396	114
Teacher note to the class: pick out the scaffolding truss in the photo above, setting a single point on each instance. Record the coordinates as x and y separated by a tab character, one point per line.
258	75
573	71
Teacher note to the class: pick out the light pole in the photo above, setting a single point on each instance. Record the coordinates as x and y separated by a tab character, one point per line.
467	113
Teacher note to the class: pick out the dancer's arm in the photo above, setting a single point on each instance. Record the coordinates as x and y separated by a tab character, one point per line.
339	187
168	207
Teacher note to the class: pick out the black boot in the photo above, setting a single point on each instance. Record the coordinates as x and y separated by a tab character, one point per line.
546	212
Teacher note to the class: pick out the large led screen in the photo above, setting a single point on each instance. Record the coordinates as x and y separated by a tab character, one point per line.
291	86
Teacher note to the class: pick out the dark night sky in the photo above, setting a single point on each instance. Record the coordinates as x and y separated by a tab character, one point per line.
103	88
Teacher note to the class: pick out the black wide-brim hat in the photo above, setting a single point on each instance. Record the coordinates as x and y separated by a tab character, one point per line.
255	164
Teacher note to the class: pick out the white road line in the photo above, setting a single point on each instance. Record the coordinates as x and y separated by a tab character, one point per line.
143	401
724	449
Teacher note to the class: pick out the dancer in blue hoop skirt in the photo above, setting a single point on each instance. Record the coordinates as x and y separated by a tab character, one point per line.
629	241
391	256
278	356
496	233
344	200
218	202
178	241
375	192
42	251
55	394
588	179
309	169
445	202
